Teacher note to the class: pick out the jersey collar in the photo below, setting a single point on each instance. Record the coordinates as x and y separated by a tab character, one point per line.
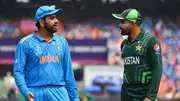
42	39
140	35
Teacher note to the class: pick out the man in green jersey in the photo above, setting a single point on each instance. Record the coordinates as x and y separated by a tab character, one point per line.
141	53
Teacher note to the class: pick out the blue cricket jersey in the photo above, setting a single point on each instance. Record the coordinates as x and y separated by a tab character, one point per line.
40	63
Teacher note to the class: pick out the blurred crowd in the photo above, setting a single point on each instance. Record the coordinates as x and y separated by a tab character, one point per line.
168	31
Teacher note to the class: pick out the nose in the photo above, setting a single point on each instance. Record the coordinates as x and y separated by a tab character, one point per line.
56	20
120	25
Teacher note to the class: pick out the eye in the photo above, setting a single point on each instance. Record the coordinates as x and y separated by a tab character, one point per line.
122	21
53	17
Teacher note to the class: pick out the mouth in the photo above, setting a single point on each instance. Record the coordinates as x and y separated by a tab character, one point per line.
55	26
121	28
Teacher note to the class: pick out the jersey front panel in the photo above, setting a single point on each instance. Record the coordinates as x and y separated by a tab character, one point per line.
136	67
44	62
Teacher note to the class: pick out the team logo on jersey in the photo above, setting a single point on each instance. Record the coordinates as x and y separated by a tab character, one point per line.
138	48
156	47
59	47
38	50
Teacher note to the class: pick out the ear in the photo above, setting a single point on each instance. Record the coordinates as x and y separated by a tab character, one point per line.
133	24
41	22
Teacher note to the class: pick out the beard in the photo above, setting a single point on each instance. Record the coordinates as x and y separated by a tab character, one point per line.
126	30
50	28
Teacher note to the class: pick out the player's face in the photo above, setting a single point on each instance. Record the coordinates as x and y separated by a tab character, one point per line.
126	27
51	22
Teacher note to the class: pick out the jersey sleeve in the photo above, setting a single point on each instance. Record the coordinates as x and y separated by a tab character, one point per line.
69	75
19	65
155	61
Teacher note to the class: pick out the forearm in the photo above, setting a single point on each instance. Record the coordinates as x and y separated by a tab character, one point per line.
155	82
155	61
72	91
19	65
70	82
69	76
20	82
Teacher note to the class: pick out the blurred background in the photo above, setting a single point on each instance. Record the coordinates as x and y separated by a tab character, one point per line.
94	39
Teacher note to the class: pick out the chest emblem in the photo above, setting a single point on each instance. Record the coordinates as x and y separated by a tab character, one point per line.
138	48
38	50
58	47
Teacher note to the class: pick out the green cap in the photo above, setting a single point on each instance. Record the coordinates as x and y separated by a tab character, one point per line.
129	14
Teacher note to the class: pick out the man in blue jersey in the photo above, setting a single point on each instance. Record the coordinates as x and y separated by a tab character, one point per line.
42	66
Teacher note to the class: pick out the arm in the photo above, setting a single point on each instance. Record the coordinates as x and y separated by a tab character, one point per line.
155	61
19	64
69	75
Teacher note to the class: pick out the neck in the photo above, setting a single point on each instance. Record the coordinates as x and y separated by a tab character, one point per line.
135	32
45	34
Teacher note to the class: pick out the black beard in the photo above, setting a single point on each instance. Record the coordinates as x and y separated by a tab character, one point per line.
48	28
127	30
124	33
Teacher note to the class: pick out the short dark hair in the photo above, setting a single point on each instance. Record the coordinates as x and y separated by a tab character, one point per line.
38	25
138	21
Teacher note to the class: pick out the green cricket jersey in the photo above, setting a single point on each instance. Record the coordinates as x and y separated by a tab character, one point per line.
143	62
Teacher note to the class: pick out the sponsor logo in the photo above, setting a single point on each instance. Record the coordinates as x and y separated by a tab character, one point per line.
156	48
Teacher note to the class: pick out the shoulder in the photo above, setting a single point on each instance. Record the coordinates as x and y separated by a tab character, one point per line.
147	35
26	39
24	43
59	37
149	38
124	41
152	40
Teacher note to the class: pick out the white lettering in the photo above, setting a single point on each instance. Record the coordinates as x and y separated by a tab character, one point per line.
131	60
137	60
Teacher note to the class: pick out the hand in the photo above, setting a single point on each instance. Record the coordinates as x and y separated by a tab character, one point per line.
30	96
146	99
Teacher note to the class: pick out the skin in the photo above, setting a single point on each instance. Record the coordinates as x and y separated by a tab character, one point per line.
48	26
129	28
30	96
